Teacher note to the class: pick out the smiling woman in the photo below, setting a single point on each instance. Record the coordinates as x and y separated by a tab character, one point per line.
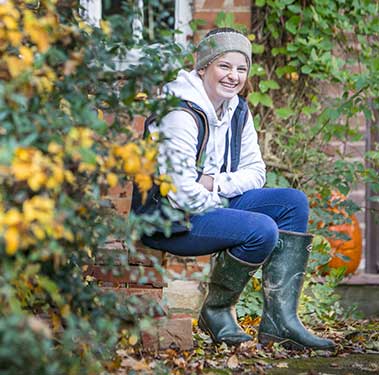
210	144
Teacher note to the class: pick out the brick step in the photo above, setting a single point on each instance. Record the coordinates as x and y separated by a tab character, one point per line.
113	250
144	280
134	276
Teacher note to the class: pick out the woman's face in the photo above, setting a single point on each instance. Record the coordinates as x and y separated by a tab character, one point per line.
225	77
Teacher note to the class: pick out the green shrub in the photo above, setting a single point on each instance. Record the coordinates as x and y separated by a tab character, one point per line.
58	158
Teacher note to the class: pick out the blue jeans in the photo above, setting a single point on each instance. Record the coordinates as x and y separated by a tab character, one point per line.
248	227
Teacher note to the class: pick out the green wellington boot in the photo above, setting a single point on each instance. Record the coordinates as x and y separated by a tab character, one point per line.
218	315
283	277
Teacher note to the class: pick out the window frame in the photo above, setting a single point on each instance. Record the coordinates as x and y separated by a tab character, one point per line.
91	11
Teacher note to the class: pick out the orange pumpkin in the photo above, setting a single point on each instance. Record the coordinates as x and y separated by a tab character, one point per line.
351	248
340	248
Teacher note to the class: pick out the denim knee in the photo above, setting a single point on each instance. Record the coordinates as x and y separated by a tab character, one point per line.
268	239
260	243
300	209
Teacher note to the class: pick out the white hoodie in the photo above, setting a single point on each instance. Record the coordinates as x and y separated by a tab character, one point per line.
178	151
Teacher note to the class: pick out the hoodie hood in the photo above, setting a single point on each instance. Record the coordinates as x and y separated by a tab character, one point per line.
189	86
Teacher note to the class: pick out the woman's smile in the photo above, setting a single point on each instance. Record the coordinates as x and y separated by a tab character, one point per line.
229	85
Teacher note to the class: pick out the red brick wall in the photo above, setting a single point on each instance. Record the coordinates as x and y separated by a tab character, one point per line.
207	10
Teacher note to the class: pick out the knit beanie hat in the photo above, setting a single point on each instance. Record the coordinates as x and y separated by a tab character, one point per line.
219	43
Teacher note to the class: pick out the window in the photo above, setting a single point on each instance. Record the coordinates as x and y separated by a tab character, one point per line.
175	14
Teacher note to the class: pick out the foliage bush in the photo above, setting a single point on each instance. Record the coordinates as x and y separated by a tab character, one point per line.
58	158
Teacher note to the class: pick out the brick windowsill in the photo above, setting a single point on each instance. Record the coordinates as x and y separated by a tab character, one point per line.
361	278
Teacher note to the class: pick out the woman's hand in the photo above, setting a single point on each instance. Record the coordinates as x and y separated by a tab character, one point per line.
207	181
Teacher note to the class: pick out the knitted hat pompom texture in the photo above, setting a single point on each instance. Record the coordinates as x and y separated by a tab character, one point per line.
217	44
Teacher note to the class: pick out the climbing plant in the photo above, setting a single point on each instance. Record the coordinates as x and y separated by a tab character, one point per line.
315	87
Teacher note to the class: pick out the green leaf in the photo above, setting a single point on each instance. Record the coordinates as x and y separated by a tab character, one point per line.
88	155
281	71
306	69
284	112
257	49
257	121
256	98
294	8
292	24
274	179
266	100
195	24
268	85
260	3
257	70
279	51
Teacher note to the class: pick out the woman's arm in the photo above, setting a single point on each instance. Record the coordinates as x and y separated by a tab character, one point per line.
251	173
178	159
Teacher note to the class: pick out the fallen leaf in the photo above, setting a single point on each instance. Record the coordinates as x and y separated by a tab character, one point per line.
233	362
134	364
282	365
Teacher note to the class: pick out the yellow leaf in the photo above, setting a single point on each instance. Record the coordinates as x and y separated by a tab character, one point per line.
85	27
148	166
21	170
12	217
26	55
54	148
15	37
39	208
56	322
69	177
65	311
67	234
37	180
15	65
144	182
133	339
132	164
44	84
151	154
112	179
164	188
12	240
106	27
9	22
7	8
57	178
38	232
140	96
126	150
39	36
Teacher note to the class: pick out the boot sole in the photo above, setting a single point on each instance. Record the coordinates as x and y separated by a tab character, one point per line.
265	339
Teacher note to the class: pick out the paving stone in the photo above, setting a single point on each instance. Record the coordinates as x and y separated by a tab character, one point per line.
184	296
